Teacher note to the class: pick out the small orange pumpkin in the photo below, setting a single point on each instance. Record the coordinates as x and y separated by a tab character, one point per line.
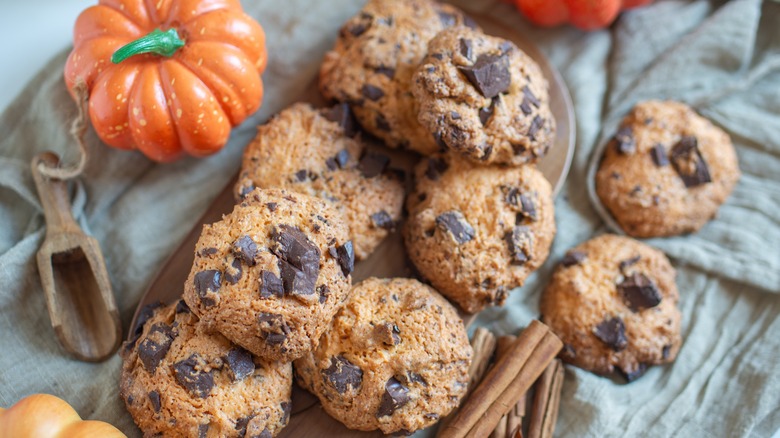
183	73
585	14
46	416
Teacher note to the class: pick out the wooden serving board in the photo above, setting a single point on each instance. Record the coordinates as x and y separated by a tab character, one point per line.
389	259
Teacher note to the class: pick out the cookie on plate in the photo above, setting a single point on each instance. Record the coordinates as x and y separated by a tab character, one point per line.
476	232
182	379
484	98
372	63
613	302
396	358
666	171
271	274
316	152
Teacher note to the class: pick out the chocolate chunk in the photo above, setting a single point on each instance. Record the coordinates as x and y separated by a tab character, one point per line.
532	99
203	430
387	71
465	48
240	362
387	333
301	175
342	114
246	190
525	107
264	434
520	243
286	411
234	272
436	167
489	75
154	397
438	56
342	374
416	378
486	151
396	396
486	113
155	346
634	374
242	423
324	291
383	220
573	258
658	154
612	332
345	256
447	20
207	281
628	262
373	164
454	223
190	375
342	158
515	198
331	163
454	115
624	140
639	292
270	285
146	312
271	206
372	93
536	125
182	307
299	260
665	351
381	123
273	328
205	252
528	208
245	249
689	163
506	46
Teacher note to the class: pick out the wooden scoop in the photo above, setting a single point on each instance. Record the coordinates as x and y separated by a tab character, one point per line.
78	292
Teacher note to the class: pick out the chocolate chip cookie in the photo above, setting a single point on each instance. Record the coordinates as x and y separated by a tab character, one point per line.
484	98
666	171
182	379
476	232
271	274
318	153
396	358
613	302
372	63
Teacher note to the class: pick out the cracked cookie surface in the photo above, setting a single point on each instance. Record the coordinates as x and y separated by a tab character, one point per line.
396	358
613	302
182	379
319	153
271	274
476	232
484	98
666	171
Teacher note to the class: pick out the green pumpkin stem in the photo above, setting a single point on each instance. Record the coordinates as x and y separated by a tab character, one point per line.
158	42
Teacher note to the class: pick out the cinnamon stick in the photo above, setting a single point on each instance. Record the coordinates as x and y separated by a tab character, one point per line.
505	383
514	419
547	397
501	429
534	366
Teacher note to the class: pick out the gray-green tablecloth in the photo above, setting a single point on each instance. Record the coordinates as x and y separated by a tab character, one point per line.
721	57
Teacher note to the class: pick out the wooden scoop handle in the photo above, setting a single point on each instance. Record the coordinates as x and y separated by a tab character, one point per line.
54	197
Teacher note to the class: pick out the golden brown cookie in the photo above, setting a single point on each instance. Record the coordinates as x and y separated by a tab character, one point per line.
271	274
372	63
613	302
182	379
396	358
666	171
476	232
316	152
484	98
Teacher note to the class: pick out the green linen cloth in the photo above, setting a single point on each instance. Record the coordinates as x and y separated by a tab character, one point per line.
723	58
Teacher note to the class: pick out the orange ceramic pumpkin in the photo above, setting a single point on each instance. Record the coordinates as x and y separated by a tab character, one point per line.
46	416
183	73
585	14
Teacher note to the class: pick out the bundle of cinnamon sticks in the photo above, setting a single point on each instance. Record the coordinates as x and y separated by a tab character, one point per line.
496	403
